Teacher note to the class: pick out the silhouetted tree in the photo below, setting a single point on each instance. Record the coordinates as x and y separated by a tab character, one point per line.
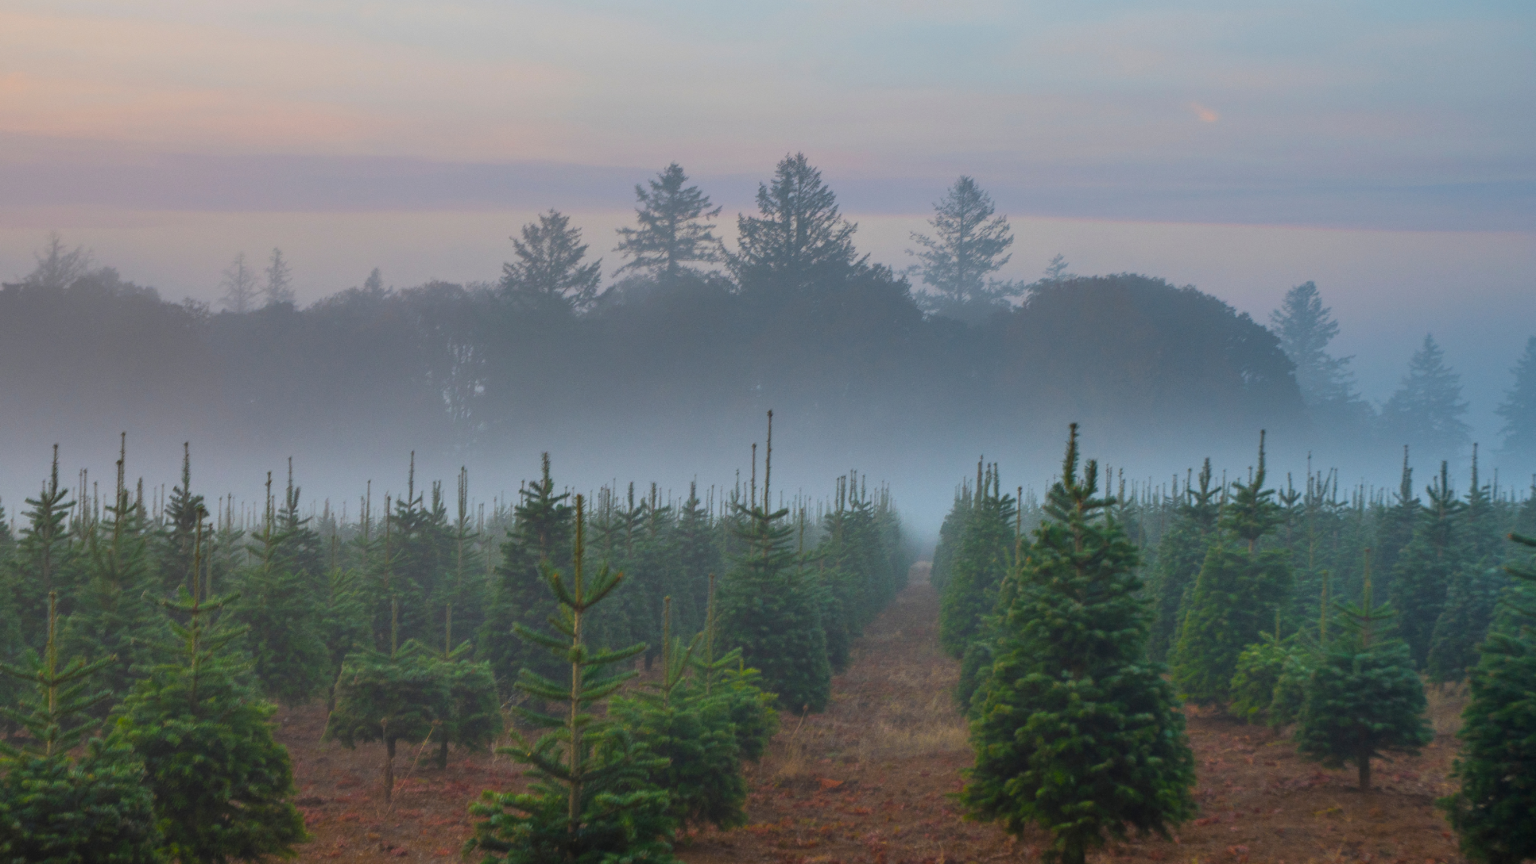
1519	406
969	244
279	287
1305	328
1427	408
800	239
240	286
548	273
674	229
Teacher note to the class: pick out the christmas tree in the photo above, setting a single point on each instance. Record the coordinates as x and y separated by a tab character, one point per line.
223	787
590	800
1492	811
58	809
769	606
1236	593
1364	698
1075	731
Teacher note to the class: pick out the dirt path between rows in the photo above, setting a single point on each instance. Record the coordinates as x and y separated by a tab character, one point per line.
870	781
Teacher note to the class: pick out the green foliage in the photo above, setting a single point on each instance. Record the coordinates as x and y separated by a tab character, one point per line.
1235	595
223	788
54	808
282	615
982	560
770	608
114	615
1426	566
682	721
1463	624
1180	554
1492	811
474	713
1363	699
540	535
1270	680
590	800
1075	731
395	697
46	561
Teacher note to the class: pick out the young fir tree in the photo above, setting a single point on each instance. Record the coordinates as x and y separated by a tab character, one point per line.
681	721
982	559
1426	566
55	808
1492	811
1236	594
182	512
1076	731
281	614
473	710
540	534
46	558
114	615
769	604
223	787
1473	592
727	675
391	697
1363	699
1180	553
590	800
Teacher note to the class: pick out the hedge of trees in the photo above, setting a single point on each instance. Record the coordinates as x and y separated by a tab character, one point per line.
1321	609
146	642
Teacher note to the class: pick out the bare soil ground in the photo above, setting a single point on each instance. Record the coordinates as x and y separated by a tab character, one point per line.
870	781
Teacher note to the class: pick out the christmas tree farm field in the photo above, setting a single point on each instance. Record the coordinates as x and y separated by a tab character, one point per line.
870	780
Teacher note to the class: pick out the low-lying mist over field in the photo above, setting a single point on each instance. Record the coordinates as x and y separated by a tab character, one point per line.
661	368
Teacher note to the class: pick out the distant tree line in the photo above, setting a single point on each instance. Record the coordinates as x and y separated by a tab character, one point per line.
691	331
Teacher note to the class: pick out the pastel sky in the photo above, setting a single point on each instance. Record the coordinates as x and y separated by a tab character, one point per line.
1386	150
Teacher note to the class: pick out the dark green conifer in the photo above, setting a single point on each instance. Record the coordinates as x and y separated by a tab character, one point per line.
1426	566
280	611
55	808
769	605
1363	699
223	787
590	800
982	559
114	614
1075	731
1492	811
540	534
391	697
681	721
1236	594
46	558
1180	554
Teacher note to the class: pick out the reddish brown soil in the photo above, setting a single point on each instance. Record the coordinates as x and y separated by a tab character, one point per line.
869	781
